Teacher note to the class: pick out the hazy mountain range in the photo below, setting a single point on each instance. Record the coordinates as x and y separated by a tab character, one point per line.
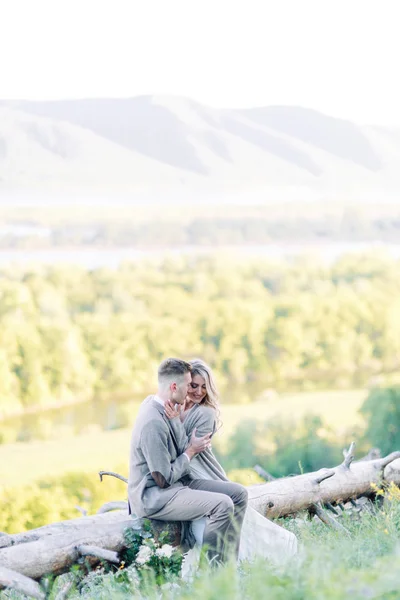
165	148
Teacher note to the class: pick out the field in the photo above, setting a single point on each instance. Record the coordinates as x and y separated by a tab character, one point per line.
24	463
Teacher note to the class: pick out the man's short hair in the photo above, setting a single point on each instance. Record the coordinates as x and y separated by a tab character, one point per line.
172	368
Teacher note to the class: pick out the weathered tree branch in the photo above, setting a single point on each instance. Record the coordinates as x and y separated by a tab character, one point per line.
112	474
109	506
100	553
326	518
263	473
348	456
20	583
323	474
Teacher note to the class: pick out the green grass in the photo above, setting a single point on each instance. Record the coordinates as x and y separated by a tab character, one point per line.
330	566
98	450
339	409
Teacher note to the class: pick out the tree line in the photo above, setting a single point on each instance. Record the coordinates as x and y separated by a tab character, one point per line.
208	231
68	333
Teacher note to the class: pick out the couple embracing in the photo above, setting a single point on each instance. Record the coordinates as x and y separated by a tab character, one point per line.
174	475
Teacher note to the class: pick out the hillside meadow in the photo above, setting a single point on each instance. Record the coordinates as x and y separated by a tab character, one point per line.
24	463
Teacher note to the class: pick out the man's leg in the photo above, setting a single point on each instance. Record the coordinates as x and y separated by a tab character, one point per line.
190	504
239	496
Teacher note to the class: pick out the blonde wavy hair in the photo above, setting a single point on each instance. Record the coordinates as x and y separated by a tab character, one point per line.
199	367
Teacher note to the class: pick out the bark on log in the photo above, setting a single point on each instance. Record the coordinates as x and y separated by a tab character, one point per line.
392	472
5	540
76	526
349	480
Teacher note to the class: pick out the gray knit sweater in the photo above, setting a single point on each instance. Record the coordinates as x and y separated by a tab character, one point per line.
157	463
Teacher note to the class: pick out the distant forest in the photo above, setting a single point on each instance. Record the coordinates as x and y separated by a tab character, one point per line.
70	333
201	231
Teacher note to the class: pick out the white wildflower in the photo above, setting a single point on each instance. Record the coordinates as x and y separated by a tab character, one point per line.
144	555
166	550
190	564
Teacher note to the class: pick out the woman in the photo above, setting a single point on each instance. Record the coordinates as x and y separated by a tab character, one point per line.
260	537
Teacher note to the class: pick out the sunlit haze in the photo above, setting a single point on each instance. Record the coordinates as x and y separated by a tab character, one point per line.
339	57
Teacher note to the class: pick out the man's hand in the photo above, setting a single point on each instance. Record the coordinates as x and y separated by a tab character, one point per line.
198	444
172	410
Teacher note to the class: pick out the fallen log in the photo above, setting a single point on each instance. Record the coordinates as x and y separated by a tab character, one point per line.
56	552
351	479
55	548
76	526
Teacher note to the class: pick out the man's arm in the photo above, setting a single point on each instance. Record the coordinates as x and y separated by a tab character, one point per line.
154	445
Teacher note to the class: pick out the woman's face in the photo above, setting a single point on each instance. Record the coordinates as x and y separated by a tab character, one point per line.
197	389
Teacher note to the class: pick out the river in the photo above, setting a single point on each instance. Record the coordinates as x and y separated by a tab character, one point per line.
92	258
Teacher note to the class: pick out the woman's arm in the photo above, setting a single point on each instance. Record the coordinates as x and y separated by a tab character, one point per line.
204	421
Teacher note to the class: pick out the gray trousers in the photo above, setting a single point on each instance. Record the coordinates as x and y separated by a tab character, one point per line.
222	503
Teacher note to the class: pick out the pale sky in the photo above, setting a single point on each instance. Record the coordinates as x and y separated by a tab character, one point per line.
337	56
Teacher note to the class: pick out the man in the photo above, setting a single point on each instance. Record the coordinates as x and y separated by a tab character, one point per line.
159	483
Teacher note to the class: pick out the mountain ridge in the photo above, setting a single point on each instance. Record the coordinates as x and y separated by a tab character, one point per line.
161	147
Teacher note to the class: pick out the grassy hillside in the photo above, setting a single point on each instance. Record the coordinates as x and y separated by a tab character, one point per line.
98	450
363	562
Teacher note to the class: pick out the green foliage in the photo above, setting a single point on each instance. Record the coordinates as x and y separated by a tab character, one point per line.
67	333
382	413
242	446
283	447
56	499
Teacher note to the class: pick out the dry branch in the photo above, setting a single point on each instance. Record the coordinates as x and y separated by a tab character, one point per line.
317	509
112	474
100	553
109	506
263	473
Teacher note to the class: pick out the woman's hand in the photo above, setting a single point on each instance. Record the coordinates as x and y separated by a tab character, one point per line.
172	410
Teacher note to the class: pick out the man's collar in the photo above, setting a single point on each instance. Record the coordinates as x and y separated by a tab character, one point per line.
158	404
159	400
